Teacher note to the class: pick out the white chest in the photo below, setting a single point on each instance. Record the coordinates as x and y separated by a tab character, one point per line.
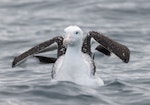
73	68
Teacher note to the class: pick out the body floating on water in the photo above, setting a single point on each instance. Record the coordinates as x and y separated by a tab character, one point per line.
74	60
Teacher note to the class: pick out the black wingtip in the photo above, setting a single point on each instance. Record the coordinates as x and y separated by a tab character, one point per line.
13	66
124	54
127	57
17	61
126	61
14	62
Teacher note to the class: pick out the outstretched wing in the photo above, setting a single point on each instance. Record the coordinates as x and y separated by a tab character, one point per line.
42	46
107	46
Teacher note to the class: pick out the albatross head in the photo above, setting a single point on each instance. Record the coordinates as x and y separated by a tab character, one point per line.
73	36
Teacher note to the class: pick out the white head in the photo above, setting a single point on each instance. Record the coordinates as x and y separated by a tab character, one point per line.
73	36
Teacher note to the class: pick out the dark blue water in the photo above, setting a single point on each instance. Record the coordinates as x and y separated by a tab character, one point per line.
25	23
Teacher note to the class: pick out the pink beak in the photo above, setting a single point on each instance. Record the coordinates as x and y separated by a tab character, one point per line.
67	39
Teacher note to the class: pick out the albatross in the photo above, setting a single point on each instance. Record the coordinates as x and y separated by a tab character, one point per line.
74	60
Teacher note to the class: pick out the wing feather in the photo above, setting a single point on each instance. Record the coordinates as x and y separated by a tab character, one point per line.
40	47
118	49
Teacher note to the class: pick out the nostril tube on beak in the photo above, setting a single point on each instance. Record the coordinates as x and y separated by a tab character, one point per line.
67	39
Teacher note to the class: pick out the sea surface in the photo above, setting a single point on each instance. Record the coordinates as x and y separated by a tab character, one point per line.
26	23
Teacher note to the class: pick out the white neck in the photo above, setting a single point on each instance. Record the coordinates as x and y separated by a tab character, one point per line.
73	52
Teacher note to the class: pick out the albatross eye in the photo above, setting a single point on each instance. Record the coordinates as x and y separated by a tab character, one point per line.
77	32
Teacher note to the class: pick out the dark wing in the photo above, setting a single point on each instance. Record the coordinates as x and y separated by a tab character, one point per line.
107	46
86	47
44	59
42	46
102	49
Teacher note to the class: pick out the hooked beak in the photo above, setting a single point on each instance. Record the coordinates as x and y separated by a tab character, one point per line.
67	40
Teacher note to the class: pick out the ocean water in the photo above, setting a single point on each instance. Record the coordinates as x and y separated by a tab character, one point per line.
25	23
